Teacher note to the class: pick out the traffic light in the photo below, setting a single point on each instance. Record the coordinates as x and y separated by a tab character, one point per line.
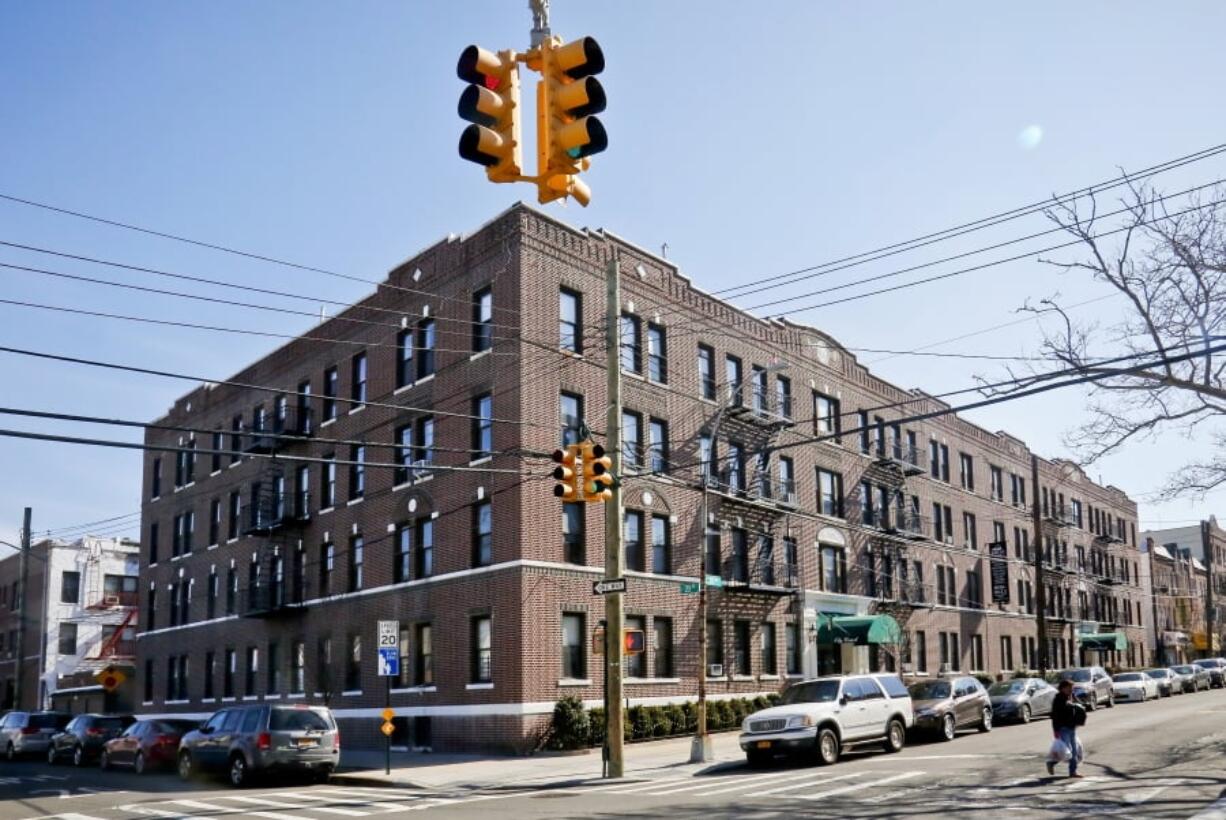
566	473
491	104
597	473
567	132
634	642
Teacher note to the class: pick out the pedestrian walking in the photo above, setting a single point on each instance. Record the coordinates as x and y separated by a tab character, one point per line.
1066	715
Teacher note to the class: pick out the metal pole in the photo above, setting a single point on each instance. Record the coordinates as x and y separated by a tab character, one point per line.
23	576
1210	615
1040	590
700	749
615	559
387	739
604	750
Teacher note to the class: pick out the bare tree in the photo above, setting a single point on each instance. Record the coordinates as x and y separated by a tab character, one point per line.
1167	259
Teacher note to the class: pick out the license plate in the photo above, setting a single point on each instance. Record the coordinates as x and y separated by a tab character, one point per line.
306	742
764	744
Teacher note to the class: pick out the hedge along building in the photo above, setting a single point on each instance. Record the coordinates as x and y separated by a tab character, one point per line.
397	468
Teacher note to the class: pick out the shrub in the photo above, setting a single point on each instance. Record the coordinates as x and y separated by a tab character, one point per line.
678	720
597	726
690	708
571	727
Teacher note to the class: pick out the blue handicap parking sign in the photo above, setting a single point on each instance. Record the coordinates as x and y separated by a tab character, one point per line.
389	662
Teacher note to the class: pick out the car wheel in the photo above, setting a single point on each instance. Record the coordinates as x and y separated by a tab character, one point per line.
1111	701
138	765
238	771
10	753
187	767
104	761
895	737
52	757
1093	702
323	775
985	722
1024	714
828	747
78	756
949	729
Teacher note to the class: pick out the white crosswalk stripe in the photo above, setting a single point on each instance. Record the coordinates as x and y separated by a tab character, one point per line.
627	788
782	777
820	781
859	786
314	799
740	781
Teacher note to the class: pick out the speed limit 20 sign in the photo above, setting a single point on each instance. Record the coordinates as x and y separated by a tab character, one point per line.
389	634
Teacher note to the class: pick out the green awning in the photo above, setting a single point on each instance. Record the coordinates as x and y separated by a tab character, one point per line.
1105	640
860	630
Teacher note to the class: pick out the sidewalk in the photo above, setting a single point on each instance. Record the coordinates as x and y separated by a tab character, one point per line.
467	772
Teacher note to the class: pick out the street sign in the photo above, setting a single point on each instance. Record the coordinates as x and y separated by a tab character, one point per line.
998	551
110	678
689	587
389	634
715	581
388	713
389	662
609	585
387	728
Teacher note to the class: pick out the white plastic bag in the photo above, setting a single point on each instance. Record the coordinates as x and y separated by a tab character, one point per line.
1081	751
1059	751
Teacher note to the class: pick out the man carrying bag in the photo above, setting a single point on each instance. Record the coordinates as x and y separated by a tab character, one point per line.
1066	715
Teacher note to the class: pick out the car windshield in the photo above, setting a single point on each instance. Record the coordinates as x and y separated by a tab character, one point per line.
1184	670
1127	676
111	722
1158	673
815	691
298	720
175	727
1079	675
1207	664
1011	687
930	690
49	721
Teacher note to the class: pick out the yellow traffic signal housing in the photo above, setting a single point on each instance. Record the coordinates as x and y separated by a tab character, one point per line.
634	642
567	473
491	104
567	132
597	473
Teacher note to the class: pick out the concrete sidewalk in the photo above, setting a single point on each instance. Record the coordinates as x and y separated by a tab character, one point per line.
468	772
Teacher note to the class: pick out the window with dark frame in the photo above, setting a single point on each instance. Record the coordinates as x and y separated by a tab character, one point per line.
425	348
826	420
570	410
570	320
574	663
631	346
657	432
357	381
423	657
402	551
482	426
662	647
769	659
424	563
70	587
353	663
480	641
633	537
706	372
741	648
483	320
632	439
404	358
357	563
657	354
357	471
635	666
661	545
483	534
331	385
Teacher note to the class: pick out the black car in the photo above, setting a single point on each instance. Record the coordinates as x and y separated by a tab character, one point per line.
84	736
1217	670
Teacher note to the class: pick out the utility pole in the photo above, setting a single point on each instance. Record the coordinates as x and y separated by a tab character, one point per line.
1206	542
701	750
23	577
615	555
1039	544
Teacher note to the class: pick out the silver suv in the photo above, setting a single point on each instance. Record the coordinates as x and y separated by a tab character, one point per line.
819	717
23	733
247	740
1092	686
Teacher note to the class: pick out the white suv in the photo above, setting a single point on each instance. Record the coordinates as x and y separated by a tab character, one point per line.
821	716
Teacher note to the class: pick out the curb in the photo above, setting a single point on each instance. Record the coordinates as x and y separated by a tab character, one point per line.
360	779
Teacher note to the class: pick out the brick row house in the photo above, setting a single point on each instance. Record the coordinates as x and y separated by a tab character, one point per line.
394	465
1183	560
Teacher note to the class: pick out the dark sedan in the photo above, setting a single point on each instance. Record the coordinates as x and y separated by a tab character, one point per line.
944	706
1021	699
83	737
1217	671
146	744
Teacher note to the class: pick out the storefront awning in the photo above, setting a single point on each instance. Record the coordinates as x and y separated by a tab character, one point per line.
1105	640
860	630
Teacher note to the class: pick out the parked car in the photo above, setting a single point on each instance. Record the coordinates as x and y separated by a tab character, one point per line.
83	737
25	733
1168	682
1021	699
1217	670
945	705
1196	678
822	715
1129	686
146	744
251	740
1091	686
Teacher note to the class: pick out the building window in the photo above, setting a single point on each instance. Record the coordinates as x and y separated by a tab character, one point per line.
970	535
783	396
966	471
425	548
570	408
357	381
1006	652
760	394
404	358
657	446
715	644
740	555
353	664
712	552
633	528
977	663
357	558
570	321
401	552
274	668
573	536
631	344
834	569
70	588
483	426
235	514
733	376
826	420
327	482
706	455
229	672
632	440
253	669
661	545
423	657
214	522
482	649
357	471
68	638
303	423
153	543
830	493
791	637
662	647
657	354
231	590
423	447
735	467
787	480
974	592
574	664
210	672
740	647
331	384
403	454
211	595
766	635
172	677
324	672
297	680
942	523
997	479
483	320
483	534
425	348
327	564
919	652
155	482
706	372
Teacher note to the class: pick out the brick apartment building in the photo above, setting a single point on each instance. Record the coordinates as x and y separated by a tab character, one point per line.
429	409
1183	560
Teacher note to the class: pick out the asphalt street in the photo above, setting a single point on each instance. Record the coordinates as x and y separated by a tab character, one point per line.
1155	760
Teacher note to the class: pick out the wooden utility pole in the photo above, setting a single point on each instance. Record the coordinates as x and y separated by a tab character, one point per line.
23	578
701	750
615	555
1040	591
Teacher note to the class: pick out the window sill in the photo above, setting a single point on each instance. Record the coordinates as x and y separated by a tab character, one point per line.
742	678
357	409
354	501
146	703
480	354
175	702
648	681
234	464
423	478
295	696
272	697
473	687
326	510
155	498
402	485
482	460
215	472
424	379
768	677
231	540
227	700
576	682
326	422
415	690
351	693
251	697
794	676
721	679
210	547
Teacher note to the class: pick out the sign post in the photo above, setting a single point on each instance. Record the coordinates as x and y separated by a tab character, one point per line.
388	647
998	552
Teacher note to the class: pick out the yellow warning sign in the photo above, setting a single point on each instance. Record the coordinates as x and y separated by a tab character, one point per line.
387	728
388	713
110	678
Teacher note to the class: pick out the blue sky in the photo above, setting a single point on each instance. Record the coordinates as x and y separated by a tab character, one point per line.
753	139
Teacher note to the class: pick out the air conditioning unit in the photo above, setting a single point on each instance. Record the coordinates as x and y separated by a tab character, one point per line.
111	600
715	670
